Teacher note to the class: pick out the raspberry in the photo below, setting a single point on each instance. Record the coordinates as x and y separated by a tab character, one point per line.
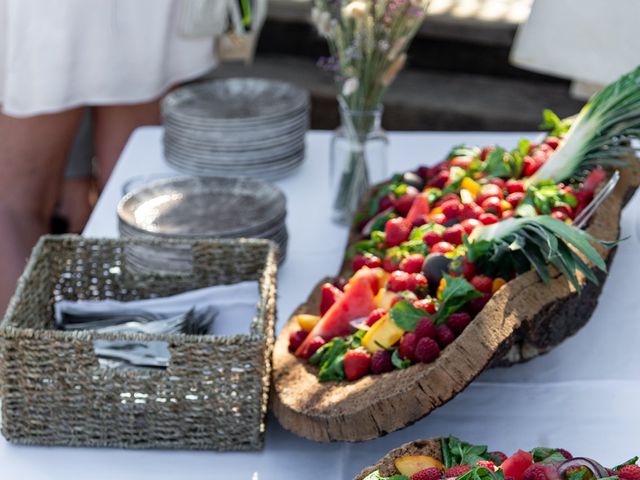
451	209
386	202
458	321
487	464
408	345
456	471
488	219
396	231
376	315
482	283
468	269
514	186
296	339
629	472
515	198
426	328
564	453
445	335
431	238
497	457
427	350
431	473
442	247
553	142
453	234
365	260
381	362
439	180
313	346
356	364
426	304
538	471
412	263
478	304
398	281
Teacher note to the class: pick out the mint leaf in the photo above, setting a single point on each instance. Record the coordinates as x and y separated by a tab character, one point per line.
497	163
631	461
454	296
553	123
546	455
406	316
462	453
399	362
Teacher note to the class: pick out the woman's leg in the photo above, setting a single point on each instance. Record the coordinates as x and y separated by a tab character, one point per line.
32	160
112	126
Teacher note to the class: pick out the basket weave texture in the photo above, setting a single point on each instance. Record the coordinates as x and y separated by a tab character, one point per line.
214	393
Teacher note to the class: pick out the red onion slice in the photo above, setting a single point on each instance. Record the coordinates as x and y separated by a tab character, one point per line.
598	470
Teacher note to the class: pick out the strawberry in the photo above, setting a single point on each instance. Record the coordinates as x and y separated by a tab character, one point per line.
486	464
431	473
458	321
539	471
398	281
508	214
515	198
451	209
514	186
431	238
468	269
566	209
313	346
492	205
442	247
456	471
357	364
427	350
386	202
462	161
482	283
594	179
417	283
420	220
396	231
296	339
439	180
390	264
553	142
365	260
403	204
478	304
559	215
426	328
564	453
530	166
412	263
497	181
426	304
328	296
497	457
469	224
489	190
453	234
488	219
484	153
445	335
439	218
408	345
381	362
471	210
375	315
629	472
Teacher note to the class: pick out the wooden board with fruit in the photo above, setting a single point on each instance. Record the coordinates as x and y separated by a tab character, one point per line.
450	268
452	459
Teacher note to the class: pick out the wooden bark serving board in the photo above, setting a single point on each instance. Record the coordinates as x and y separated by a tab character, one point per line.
523	319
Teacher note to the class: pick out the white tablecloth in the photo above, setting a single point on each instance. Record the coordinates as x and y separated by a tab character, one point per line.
582	396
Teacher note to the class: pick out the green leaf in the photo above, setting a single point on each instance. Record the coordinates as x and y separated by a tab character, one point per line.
497	163
332	362
547	455
631	461
553	123
398	361
462	453
464	151
378	476
455	295
406	316
446	452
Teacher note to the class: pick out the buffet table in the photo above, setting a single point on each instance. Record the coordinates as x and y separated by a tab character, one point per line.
570	397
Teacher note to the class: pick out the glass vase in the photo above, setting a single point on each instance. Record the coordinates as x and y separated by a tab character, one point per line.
358	160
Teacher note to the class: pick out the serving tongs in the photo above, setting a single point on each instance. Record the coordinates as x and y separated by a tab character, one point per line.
583	217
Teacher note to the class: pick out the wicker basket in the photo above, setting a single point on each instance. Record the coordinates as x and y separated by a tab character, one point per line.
214	393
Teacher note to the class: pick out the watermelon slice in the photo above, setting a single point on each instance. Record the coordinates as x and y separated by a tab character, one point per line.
419	207
357	301
516	464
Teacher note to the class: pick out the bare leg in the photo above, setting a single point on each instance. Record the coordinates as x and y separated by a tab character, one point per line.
32	159
112	126
76	202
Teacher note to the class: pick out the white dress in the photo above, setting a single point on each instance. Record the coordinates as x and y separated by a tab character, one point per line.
59	54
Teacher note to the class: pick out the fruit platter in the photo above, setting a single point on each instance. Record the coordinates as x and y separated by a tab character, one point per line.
491	256
451	458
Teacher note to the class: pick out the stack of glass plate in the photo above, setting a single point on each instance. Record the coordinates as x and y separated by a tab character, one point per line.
199	207
236	127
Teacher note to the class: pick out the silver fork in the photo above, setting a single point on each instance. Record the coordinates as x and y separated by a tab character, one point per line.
583	217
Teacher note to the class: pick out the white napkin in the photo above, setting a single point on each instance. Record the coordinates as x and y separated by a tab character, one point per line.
235	306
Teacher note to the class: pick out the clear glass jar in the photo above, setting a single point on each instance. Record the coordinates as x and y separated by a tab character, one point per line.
358	160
